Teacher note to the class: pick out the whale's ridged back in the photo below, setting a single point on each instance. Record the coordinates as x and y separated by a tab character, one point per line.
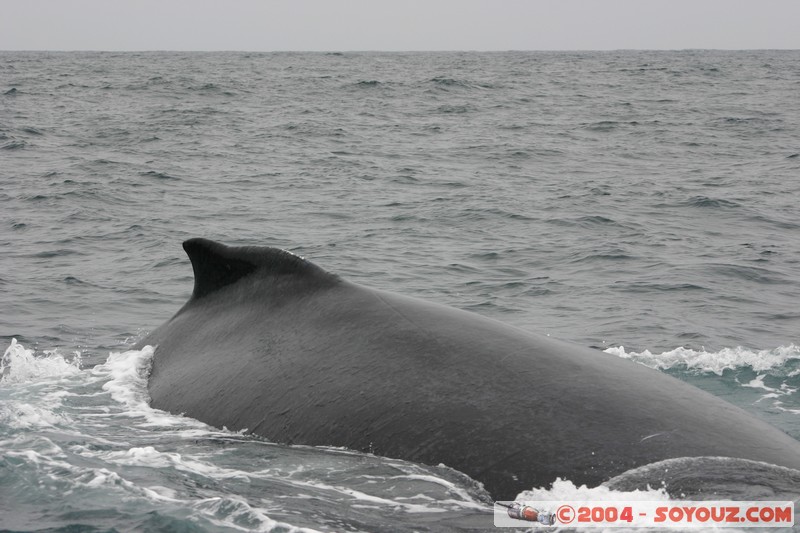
216	265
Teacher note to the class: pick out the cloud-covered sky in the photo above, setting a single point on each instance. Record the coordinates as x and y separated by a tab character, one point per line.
325	25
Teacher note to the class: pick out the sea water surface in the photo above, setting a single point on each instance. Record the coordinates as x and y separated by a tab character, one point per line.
642	203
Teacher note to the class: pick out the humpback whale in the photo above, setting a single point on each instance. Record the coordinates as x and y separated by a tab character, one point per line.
272	344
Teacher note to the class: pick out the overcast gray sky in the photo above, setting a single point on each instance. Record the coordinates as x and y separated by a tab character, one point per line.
266	25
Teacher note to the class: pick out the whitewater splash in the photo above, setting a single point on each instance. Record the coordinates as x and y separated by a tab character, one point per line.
717	362
83	432
20	365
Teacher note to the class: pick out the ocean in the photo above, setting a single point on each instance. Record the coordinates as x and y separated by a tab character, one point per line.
641	203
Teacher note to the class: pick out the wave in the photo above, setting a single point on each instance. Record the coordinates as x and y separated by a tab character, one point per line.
454	109
14	144
718	362
159	175
453	82
705	201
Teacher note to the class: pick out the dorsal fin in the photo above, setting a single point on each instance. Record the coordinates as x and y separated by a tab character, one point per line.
216	265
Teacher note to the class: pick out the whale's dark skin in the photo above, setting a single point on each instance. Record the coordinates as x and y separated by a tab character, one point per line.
273	344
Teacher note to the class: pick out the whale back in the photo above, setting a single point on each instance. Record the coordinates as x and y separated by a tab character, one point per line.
274	345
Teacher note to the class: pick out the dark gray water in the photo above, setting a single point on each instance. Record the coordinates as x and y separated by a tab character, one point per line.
639	199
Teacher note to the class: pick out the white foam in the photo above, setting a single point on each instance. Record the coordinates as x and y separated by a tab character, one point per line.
364	498
128	372
779	405
124	376
20	365
150	457
565	490
242	516
23	415
716	362
48	457
464	498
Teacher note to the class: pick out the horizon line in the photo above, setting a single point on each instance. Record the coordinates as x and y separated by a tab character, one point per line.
410	51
